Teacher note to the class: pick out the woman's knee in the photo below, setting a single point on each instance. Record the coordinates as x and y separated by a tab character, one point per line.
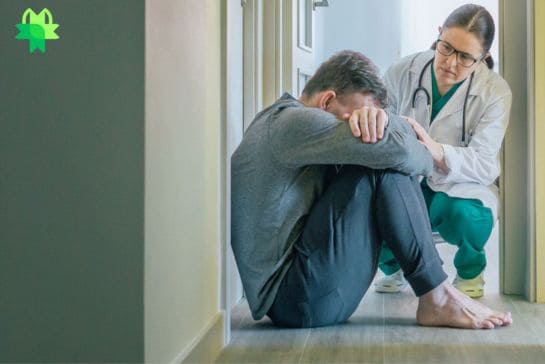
456	211
462	220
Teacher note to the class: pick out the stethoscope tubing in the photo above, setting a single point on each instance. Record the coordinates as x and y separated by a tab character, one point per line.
421	88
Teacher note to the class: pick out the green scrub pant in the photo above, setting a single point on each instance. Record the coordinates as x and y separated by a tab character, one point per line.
465	223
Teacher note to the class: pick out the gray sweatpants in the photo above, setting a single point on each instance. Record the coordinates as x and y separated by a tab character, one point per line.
336	257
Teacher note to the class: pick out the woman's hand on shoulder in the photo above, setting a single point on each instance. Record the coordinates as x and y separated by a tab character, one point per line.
435	148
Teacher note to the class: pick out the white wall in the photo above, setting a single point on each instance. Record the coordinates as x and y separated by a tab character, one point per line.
183	182
422	18
371	27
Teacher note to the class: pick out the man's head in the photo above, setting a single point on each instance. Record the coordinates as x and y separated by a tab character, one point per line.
345	82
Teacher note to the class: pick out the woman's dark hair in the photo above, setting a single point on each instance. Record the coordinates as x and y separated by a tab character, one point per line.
346	72
476	20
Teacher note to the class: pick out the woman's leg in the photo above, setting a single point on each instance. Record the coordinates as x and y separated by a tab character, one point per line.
467	224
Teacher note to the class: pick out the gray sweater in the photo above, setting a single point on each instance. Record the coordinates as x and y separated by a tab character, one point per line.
278	171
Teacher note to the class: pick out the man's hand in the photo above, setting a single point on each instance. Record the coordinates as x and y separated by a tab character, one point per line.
368	123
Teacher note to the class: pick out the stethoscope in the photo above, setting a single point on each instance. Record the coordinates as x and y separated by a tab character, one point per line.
421	88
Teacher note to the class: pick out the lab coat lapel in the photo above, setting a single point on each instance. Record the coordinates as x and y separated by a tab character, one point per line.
456	102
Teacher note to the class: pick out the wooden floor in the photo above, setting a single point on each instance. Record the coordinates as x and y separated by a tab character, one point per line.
384	330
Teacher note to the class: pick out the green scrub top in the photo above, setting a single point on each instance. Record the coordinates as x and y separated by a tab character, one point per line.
439	101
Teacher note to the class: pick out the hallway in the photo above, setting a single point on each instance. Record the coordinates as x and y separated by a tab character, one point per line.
115	189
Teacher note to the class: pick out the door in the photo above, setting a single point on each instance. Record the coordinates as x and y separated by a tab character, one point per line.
299	44
279	50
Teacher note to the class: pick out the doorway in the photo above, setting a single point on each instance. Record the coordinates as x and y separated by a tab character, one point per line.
265	50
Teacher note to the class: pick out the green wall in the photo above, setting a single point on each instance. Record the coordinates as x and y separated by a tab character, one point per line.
72	184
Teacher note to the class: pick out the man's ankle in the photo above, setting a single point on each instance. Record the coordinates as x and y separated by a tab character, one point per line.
438	295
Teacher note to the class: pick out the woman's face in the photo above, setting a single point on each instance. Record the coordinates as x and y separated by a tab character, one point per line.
465	48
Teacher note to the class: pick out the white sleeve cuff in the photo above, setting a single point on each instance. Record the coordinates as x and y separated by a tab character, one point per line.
453	162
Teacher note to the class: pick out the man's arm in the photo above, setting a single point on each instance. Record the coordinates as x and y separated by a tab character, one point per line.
301	136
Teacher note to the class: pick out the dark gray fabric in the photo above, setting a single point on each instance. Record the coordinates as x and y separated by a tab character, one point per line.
336	257
278	172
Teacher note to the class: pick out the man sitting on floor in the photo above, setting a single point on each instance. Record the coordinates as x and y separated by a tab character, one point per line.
311	205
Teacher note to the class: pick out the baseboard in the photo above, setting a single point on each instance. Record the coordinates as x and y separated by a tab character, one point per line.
208	344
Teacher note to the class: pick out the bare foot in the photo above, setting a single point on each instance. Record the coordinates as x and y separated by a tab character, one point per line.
446	306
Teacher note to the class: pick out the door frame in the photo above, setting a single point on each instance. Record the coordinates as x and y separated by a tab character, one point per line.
522	245
231	135
253	56
536	83
522	230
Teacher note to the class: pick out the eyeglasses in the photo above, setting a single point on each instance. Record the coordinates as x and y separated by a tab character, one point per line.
463	58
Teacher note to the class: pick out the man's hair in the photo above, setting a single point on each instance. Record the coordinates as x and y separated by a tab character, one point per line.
347	72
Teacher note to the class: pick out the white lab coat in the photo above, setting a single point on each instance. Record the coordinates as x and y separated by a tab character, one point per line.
474	168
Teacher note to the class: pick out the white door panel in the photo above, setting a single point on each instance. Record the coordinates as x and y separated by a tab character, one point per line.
299	41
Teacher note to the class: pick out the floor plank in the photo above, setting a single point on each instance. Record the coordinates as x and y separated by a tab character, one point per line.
359	340
261	342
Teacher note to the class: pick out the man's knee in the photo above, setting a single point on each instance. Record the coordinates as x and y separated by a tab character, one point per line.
355	172
392	182
348	180
389	176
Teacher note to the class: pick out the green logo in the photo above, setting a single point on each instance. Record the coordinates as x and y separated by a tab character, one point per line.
37	29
